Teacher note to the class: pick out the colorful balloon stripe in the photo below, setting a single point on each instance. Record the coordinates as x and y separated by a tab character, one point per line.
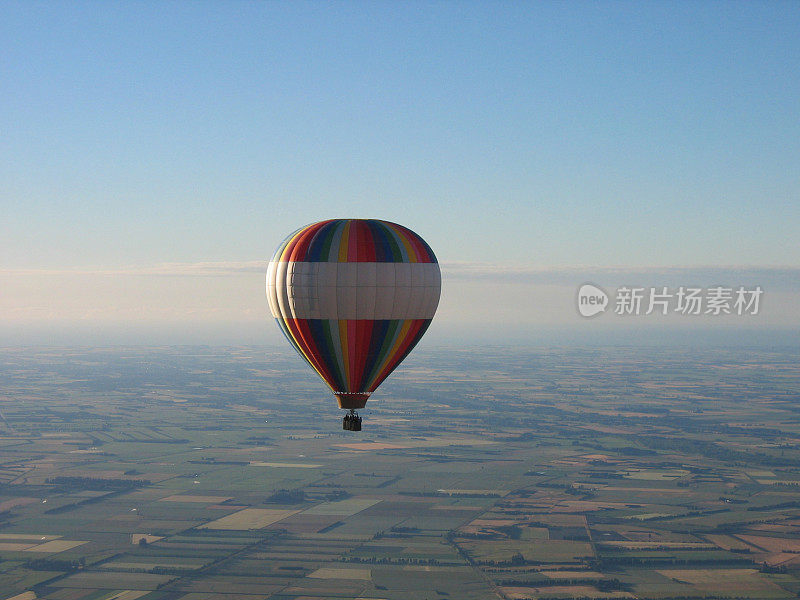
354	240
373	348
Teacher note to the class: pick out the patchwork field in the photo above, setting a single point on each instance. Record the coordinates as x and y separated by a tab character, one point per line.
184	474
249	518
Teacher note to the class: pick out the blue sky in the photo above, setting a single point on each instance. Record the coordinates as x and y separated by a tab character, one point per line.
541	135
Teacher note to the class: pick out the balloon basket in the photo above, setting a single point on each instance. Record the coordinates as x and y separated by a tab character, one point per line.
351	421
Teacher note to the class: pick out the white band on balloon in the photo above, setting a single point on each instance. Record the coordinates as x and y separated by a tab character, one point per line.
355	290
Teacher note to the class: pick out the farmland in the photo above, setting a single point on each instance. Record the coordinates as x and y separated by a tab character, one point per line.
224	474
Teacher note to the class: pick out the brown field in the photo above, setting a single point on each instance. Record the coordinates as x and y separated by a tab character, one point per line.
344	508
721	580
71	594
784	527
127	595
277	465
9	504
567	591
230	585
647	490
219	596
791	482
101	580
560	519
785	559
544	551
200	499
573	574
119	566
137	537
491	523
665	545
15	546
27	536
344	589
370	446
249	518
583	506
771	544
306	523
55	546
458	492
726	542
24	596
177	546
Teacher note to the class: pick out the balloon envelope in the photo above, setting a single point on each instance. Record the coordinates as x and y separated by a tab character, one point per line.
353	296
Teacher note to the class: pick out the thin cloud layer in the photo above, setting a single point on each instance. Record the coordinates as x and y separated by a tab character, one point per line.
783	278
496	297
197	269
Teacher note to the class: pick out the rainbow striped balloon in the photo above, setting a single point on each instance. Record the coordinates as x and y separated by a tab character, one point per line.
353	296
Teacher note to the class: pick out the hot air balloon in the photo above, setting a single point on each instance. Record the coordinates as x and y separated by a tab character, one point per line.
353	296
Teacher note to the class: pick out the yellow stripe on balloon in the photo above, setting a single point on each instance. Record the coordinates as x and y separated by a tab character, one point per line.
284	257
306	354
344	243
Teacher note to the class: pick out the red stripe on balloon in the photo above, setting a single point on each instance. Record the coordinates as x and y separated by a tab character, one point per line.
403	236
302	241
352	247
363	356
352	242
366	245
419	247
358	355
367	362
355	370
303	338
287	251
352	346
355	327
306	343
